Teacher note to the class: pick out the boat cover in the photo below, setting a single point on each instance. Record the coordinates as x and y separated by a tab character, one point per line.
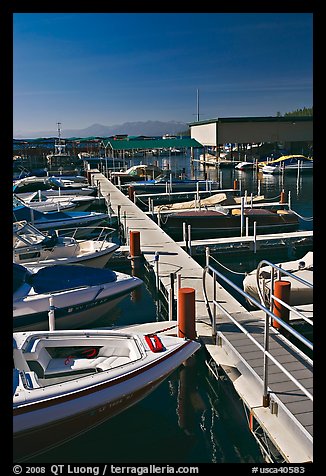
24	213
60	277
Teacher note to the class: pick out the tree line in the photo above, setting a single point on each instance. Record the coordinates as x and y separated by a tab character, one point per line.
305	111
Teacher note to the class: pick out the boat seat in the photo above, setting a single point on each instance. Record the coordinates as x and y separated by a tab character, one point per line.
112	362
38	361
62	366
108	357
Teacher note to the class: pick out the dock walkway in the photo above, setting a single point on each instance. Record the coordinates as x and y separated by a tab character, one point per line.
288	421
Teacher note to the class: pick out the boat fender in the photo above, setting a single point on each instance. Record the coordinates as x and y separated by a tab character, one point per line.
87	353
154	342
235	212
282	212
68	359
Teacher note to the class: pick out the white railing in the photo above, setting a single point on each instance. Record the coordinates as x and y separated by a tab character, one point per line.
268	314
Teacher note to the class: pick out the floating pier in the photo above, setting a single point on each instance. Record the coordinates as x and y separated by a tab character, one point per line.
274	382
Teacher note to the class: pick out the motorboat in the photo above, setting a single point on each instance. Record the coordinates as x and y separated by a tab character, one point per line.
245	165
80	294
53	186
54	220
66	382
300	293
214	199
287	163
166	182
33	248
222	222
76	202
71	185
46	206
136	173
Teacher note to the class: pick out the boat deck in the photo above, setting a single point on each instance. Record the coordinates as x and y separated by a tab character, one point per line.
288	421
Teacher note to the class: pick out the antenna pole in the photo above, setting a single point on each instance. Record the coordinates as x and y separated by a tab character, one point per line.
197	105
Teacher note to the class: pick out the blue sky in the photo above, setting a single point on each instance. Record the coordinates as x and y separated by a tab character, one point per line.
110	68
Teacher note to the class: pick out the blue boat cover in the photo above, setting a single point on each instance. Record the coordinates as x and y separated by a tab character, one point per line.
61	277
19	275
24	213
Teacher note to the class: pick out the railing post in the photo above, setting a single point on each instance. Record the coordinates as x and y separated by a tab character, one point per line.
51	314
266	396
156	259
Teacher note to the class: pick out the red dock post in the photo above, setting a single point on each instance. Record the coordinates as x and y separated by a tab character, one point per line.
281	291
134	246
186	313
235	184
131	193
282	197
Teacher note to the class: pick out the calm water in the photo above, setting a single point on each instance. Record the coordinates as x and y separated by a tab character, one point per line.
209	425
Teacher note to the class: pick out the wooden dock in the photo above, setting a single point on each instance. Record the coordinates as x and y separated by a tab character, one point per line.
288	421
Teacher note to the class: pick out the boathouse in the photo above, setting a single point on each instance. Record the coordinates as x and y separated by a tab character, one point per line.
214	133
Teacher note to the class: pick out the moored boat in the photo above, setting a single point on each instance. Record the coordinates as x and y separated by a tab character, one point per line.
80	294
287	163
33	248
224	222
300	293
54	220
165	182
66	382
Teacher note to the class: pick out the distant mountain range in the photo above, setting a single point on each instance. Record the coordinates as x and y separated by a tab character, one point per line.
147	128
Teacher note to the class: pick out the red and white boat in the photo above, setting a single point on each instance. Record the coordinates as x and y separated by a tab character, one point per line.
66	382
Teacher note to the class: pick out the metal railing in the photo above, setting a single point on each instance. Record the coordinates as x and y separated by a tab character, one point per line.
280	271
101	235
268	314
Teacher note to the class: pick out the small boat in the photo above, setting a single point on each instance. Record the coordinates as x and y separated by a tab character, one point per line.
78	202
66	382
287	163
166	182
45	206
33	248
136	173
53	186
81	294
300	294
245	165
54	220
71	185
223	222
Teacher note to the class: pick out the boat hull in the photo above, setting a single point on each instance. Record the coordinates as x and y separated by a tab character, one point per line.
207	223
75	316
50	421
35	441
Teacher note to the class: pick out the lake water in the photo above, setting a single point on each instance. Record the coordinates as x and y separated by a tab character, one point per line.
209	425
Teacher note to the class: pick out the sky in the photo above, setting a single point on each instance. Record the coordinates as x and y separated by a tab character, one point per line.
111	68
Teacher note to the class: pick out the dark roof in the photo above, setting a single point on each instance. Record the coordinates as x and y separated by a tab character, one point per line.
131	144
254	119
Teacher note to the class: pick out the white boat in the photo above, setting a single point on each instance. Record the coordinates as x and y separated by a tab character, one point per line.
33	248
245	166
136	172
54	220
66	382
45	206
78	202
300	294
80	294
53	186
287	163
